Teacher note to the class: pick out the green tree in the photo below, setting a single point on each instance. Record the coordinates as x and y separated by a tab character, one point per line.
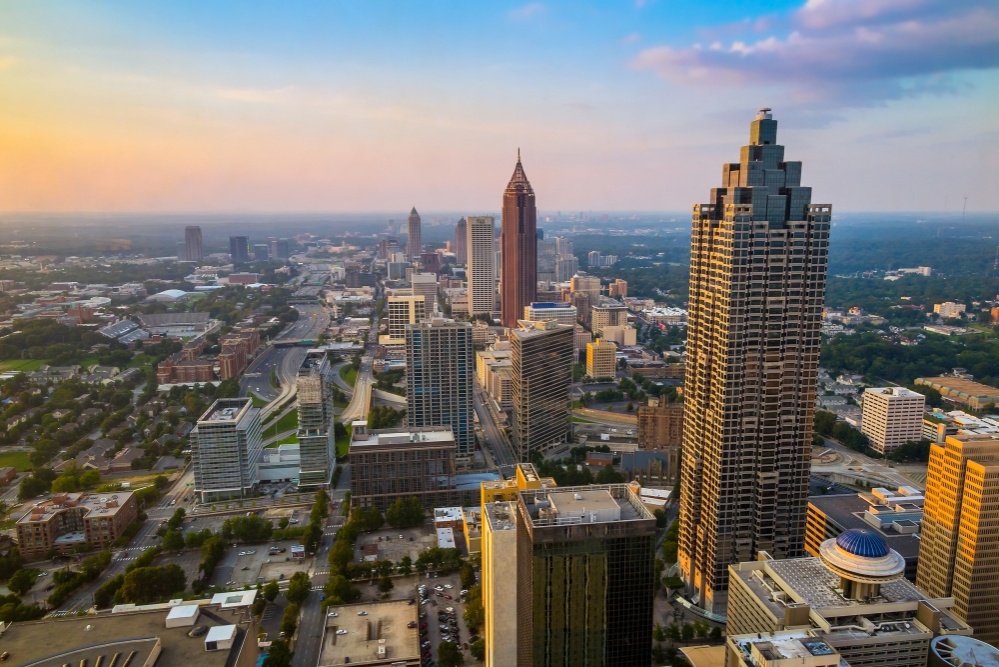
406	566
385	584
475	615
298	588
144	585
467	576
340	591
290	620
449	655
271	590
172	541
22	581
278	655
478	649
687	632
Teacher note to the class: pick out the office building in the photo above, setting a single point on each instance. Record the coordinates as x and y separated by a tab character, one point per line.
895	515
601	359
402	310
461	242
481	265
193	250
547	256
563	313
542	357
891	417
261	252
618	288
588	285
660	424
66	522
607	314
568	577
220	632
239	248
624	335
852	597
519	271
789	648
316	436
425	285
226	450
958	651
949	309
279	248
959	550
757	283
389	464
566	266
440	371
414	242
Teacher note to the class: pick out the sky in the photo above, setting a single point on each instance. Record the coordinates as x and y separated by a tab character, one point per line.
241	106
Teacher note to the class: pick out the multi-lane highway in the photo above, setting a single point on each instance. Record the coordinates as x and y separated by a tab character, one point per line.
360	399
496	440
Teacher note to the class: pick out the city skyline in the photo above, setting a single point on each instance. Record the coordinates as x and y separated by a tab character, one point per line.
250	108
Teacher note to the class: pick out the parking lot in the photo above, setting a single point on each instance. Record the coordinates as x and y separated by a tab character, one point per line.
394	543
439	622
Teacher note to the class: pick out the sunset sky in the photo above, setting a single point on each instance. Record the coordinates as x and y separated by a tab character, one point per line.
379	106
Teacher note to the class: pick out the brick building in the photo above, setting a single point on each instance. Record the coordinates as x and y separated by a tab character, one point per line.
68	520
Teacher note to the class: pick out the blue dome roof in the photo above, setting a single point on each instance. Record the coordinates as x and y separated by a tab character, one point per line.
863	542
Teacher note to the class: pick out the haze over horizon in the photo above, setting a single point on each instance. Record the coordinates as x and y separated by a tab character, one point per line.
235	108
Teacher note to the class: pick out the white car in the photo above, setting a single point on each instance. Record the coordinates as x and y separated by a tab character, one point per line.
439	589
332	614
251	552
448	586
242	553
362	613
341	632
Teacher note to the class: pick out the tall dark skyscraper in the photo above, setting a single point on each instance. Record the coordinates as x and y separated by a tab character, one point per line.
757	282
192	243
519	248
414	245
461	242
239	248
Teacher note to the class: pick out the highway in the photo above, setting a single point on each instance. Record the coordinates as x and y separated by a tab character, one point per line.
360	400
312	321
496	440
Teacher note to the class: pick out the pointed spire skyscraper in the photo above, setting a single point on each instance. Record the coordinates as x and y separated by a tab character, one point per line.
414	245
757	283
519	247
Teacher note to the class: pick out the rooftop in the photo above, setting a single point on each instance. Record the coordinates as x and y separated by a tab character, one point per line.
501	515
430	435
75	640
968	388
226	410
380	635
851	511
584	504
105	504
901	392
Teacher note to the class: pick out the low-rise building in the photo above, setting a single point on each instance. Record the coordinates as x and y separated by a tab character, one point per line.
949	309
69	520
891	417
962	391
660	424
384	635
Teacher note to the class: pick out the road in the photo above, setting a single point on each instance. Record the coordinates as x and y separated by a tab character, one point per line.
312	321
496	440
360	400
856	464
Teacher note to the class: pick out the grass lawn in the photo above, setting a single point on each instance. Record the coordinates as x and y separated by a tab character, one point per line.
257	401
18	460
141	360
24	365
580	420
349	374
286	423
343	444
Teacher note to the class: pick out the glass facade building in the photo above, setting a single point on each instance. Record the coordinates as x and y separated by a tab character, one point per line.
226	450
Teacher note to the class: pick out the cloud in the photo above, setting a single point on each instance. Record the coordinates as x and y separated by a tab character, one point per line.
847	53
631	39
527	12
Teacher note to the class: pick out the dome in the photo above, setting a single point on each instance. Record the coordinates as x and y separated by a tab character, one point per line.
863	542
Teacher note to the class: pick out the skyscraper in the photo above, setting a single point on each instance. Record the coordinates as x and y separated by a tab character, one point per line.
226	450
542	355
425	284
414	245
440	366
192	241
959	549
239	248
402	310
757	282
315	420
519	272
461	242
481	265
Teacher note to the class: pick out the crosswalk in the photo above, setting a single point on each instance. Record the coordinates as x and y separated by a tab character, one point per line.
317	573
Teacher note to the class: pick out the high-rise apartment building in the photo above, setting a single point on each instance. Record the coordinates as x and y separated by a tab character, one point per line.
440	371
547	256
226	450
402	310
279	248
542	356
239	248
757	283
959	549
261	252
588	285
316	436
461	242
425	285
617	288
192	244
414	243
660	424
891	417
566	266
481	265
601	359
519	275
568	577
610	313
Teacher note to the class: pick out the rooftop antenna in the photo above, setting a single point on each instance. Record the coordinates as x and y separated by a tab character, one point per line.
964	209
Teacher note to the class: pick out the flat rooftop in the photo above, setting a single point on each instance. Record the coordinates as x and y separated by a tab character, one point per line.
96	504
431	435
226	410
790	644
384	626
501	515
583	504
847	511
968	388
70	640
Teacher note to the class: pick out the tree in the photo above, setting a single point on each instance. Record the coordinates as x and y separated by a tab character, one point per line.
385	584
478	649
687	632
608	475
278	655
298	588
406	566
467	576
90	478
339	591
144	585
22	581
172	541
474	614
271	590
449	655
177	520
290	620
